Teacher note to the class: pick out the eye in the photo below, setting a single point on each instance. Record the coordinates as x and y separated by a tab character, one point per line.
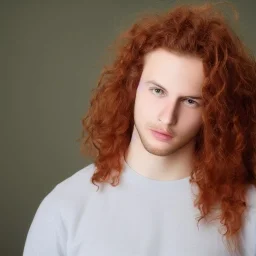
157	91
190	102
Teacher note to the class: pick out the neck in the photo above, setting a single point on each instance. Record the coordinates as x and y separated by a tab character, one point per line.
175	166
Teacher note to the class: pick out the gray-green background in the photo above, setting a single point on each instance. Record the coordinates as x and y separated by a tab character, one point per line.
51	55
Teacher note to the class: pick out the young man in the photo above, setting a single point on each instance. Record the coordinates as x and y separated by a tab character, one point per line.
171	128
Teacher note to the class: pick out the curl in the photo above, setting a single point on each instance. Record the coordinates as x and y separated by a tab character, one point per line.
224	159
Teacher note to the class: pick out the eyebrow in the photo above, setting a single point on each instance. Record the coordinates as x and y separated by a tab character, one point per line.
157	84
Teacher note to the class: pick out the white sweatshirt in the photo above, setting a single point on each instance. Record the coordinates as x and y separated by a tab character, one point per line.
139	217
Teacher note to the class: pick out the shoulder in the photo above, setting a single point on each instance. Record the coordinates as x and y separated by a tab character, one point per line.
57	212
74	188
251	197
78	182
66	200
67	197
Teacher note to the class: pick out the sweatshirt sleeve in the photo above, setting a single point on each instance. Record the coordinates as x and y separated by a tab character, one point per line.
46	235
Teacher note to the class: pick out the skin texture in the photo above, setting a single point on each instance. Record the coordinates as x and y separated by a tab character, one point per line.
179	114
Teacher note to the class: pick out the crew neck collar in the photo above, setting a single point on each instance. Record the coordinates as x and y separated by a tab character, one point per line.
136	178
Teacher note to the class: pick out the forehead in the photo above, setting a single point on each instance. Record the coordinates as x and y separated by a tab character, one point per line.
172	69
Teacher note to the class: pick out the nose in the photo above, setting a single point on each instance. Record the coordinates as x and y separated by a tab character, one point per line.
169	113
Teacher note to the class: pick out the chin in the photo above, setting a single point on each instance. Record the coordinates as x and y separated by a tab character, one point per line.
159	150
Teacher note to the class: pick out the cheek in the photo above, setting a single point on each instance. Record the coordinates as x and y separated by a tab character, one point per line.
192	122
143	105
141	112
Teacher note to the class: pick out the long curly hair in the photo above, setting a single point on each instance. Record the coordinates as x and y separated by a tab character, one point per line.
224	157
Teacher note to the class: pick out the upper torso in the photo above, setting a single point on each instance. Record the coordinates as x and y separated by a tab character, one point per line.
139	217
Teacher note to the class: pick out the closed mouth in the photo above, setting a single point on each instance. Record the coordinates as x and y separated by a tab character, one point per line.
162	132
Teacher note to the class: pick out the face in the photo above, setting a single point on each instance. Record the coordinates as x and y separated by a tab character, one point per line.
168	98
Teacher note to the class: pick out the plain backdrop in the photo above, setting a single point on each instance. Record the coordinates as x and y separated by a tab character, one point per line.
52	53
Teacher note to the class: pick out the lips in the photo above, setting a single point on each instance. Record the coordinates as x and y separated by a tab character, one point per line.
161	135
163	132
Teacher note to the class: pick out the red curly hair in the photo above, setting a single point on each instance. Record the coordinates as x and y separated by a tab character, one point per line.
224	159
